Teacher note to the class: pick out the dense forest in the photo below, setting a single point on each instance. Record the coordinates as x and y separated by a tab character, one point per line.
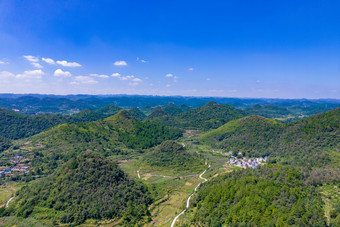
73	157
171	154
87	186
113	135
209	116
269	196
16	126
303	142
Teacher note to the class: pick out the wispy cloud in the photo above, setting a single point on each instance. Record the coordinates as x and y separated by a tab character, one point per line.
170	75
115	75
99	75
31	74
48	60
61	73
31	58
141	60
3	62
191	69
68	64
37	65
34	61
120	63
84	80
208	79
134	80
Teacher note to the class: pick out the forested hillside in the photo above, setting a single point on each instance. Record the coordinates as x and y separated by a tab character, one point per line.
304	142
209	116
113	135
137	113
16	126
88	186
173	155
269	196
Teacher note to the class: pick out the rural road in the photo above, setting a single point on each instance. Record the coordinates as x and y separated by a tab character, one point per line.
188	200
9	201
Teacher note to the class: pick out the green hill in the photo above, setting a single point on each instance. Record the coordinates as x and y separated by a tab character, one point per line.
4	143
173	155
117	134
15	126
268	111
108	111
268	196
303	142
209	116
253	135
135	112
88	186
85	116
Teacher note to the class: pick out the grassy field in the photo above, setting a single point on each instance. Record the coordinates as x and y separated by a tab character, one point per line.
331	197
7	190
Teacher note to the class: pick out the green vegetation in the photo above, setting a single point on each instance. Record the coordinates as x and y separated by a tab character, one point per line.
16	126
174	156
116	135
272	195
4	144
209	116
87	186
108	111
135	112
268	111
304	142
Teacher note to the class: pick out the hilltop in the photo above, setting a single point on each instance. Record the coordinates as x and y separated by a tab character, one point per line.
301	142
88	186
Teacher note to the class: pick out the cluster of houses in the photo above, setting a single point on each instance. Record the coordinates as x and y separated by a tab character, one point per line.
247	163
17	167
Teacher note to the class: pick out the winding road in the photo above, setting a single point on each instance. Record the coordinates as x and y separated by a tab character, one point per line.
188	200
9	201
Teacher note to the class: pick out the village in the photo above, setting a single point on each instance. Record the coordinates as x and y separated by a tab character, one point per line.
245	162
19	166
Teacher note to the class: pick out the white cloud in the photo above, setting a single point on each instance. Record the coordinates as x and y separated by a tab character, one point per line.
37	65
68	64
136	80
31	58
61	73
129	77
141	60
208	78
120	63
169	75
31	74
48	60
6	74
191	69
84	80
3	62
115	75
98	75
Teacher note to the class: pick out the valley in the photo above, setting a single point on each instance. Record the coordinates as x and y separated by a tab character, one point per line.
209	165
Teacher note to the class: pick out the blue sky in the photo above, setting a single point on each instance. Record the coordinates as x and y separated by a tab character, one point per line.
273	49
